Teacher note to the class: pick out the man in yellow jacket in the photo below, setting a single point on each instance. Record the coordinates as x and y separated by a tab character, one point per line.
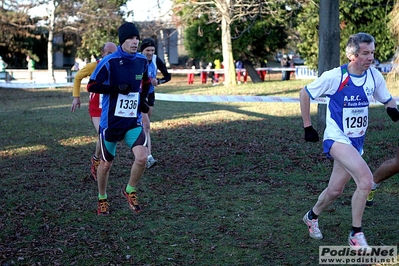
94	101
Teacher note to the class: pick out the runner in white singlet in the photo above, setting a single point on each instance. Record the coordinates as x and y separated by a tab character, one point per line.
349	89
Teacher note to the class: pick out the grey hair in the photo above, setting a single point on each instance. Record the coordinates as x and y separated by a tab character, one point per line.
352	46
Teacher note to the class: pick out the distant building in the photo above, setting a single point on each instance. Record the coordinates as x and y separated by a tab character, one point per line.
63	57
167	37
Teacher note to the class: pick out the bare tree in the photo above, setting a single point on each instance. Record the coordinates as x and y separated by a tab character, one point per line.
394	27
26	26
329	38
329	50
17	30
59	17
225	12
51	17
394	22
163	38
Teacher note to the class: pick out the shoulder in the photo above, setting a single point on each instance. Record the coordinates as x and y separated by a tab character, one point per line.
332	78
141	56
378	78
86	70
141	59
102	62
376	73
329	80
334	73
114	56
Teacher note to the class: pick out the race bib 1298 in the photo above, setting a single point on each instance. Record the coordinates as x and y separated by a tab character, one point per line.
355	121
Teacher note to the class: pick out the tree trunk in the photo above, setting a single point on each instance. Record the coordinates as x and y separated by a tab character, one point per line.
228	62
51	13
165	52
329	35
329	39
251	71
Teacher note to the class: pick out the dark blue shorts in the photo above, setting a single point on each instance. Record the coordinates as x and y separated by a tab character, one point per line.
109	138
356	142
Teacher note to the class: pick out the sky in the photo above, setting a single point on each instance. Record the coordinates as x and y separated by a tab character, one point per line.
144	10
147	10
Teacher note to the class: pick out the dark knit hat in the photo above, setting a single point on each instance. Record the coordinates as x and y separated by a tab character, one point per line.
126	31
146	43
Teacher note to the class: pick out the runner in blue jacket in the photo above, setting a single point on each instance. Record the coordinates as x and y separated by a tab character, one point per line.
122	78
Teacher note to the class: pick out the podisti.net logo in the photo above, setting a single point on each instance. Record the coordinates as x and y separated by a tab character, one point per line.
348	255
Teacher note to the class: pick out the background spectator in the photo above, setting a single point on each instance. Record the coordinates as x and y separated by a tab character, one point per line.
190	65
3	65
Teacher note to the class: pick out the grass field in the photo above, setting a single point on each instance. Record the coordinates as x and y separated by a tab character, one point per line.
232	184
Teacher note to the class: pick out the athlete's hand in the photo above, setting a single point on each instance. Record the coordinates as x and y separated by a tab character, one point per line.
311	134
124	88
154	82
393	113
75	103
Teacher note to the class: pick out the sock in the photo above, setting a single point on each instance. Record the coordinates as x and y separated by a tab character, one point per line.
96	158
312	215
374	186
101	197
130	189
355	230
149	156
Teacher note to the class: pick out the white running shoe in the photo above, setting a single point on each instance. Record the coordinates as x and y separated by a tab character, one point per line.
358	242
151	162
313	226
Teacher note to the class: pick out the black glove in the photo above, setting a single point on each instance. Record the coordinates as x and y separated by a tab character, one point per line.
144	108
124	88
311	134
393	113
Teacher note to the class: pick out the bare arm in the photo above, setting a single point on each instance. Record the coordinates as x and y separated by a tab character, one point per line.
304	100
75	103
310	133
